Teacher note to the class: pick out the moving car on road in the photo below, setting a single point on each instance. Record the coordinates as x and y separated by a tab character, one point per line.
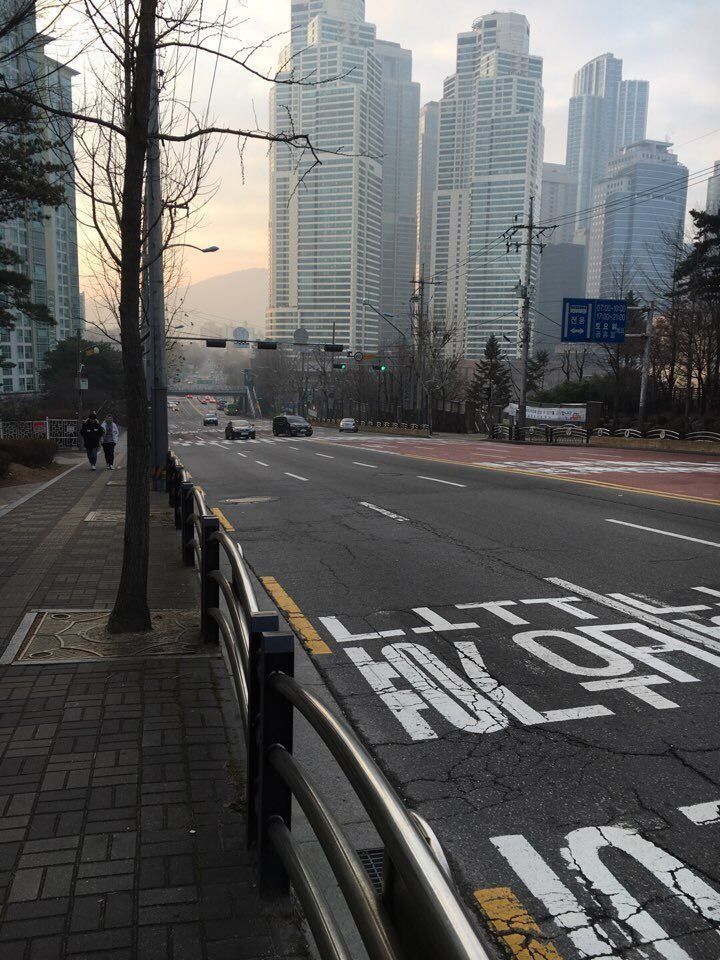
348	425
210	420
289	425
240	430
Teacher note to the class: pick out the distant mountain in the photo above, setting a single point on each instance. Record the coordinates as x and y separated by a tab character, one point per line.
237	299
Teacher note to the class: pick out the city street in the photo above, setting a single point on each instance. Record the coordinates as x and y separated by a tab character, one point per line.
529	641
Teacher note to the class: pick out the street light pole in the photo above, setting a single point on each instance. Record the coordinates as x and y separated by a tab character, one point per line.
156	295
649	316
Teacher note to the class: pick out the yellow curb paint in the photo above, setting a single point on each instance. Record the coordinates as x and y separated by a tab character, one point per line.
554	476
224	522
297	619
514	925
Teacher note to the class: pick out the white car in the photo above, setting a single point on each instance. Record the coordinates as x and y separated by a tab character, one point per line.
210	420
348	425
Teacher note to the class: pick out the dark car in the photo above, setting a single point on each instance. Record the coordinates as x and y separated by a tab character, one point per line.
240	430
288	425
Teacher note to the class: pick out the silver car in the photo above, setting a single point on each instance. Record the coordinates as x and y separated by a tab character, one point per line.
348	425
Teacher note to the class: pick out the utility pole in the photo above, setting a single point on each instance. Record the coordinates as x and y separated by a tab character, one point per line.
525	319
649	317
79	390
155	285
419	312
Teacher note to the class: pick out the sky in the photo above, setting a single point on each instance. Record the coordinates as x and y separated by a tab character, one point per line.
671	43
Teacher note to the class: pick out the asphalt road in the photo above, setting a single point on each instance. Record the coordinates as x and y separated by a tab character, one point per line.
534	663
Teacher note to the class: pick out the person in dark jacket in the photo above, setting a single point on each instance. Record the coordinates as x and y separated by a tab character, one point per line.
92	434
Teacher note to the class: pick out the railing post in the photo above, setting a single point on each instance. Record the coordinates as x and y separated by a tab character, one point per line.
186	524
209	589
273	797
177	499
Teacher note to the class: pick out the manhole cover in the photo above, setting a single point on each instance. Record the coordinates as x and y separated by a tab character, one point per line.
82	635
241	500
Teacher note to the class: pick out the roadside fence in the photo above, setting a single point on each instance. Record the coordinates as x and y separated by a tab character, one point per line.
418	914
63	432
565	433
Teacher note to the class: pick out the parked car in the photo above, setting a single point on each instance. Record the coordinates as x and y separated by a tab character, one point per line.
348	425
210	420
240	430
289	425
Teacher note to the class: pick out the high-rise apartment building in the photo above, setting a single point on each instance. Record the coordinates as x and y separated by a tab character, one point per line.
401	103
489	165
592	123
45	239
712	204
429	134
558	197
632	111
334	255
640	203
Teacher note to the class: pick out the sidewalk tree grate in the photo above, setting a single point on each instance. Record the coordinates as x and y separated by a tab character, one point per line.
373	860
118	516
56	635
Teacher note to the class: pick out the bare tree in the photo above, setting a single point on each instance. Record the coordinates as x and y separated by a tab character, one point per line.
128	44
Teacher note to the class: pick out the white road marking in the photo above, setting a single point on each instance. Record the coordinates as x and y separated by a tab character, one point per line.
385	513
296	477
242	455
448	482
262	464
293	448
371	466
702	813
664	533
325	456
264	440
635	614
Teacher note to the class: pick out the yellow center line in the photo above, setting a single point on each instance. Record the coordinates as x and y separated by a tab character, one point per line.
514	925
296	618
554	476
224	522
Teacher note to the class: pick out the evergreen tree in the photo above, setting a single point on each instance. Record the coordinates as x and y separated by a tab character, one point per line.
491	378
537	371
28	182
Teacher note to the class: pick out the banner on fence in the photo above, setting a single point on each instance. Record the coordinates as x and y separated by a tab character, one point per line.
572	413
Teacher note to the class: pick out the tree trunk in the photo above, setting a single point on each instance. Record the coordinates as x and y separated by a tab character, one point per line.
131	612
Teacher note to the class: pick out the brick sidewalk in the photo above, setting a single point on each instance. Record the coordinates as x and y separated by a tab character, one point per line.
121	801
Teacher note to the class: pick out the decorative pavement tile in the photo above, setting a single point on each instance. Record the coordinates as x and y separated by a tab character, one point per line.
82	635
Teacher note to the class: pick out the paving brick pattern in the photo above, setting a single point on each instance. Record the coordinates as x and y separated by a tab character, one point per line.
121	803
121	818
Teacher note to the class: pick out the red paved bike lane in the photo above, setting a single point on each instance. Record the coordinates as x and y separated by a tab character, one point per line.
686	476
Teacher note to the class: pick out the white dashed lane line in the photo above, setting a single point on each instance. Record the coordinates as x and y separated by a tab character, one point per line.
242	455
449	483
385	513
262	464
664	533
295	476
370	466
325	456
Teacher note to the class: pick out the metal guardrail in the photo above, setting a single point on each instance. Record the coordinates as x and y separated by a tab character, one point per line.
542	433
418	916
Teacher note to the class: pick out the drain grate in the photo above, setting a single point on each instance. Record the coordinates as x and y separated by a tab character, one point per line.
372	860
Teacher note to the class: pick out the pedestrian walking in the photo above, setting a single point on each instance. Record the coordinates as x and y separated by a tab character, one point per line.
111	436
92	433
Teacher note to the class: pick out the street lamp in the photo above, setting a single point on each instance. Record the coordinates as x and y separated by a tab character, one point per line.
191	246
385	317
82	354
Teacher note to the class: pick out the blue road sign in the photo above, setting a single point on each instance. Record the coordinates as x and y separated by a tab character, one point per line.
593	321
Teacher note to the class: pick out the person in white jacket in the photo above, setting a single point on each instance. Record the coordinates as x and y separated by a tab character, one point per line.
110	437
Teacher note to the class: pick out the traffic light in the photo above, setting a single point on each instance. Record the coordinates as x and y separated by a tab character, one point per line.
333	347
380	367
267	345
216	343
339	365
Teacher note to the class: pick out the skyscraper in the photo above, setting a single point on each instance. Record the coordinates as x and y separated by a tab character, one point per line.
326	221
401	101
639	204
592	122
489	162
557	202
712	204
427	181
632	111
45	239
